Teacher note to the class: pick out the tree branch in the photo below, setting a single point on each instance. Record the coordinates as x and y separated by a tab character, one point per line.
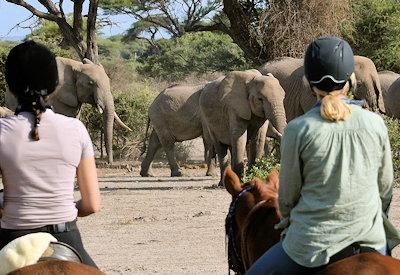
51	8
33	10
78	21
209	28
19	25
60	5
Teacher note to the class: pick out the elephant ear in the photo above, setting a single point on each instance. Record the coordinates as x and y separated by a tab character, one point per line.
234	91
66	92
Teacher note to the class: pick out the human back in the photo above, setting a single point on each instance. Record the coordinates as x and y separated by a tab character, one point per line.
340	184
336	173
40	191
40	154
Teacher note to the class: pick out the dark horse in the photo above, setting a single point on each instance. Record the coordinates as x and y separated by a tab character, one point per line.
250	229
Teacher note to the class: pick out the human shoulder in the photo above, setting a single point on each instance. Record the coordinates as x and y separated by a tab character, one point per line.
372	119
305	122
72	123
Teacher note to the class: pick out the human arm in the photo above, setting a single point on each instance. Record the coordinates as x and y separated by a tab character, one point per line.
385	174
88	187
290	175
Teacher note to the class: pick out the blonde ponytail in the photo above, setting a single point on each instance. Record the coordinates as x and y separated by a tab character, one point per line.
332	107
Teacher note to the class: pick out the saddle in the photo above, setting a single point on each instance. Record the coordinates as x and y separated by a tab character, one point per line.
60	251
349	251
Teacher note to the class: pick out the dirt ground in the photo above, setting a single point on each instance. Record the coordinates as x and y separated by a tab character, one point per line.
163	225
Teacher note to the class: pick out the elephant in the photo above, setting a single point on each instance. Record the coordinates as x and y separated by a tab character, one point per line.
299	97
391	92
237	110
81	83
390	99
175	116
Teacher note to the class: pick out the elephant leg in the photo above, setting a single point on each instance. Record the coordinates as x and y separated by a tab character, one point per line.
257	144
238	141
153	147
223	158
210	157
211	162
170	153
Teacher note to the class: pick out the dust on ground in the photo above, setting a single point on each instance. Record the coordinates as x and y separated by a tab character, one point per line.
163	226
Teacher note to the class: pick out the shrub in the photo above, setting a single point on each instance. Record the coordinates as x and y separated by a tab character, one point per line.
3	85
374	32
265	165
197	53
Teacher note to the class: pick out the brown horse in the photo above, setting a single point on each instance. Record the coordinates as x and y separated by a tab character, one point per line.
37	253
53	267
250	229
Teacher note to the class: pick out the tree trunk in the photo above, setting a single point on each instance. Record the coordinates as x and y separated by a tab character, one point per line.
92	52
72	38
242	32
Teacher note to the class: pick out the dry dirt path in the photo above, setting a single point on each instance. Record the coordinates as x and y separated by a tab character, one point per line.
163	226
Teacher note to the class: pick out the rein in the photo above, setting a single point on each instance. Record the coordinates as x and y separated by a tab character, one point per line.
230	227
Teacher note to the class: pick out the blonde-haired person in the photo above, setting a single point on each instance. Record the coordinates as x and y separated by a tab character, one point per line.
336	175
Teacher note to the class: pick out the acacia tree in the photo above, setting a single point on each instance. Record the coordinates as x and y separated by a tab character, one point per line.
174	17
263	29
72	33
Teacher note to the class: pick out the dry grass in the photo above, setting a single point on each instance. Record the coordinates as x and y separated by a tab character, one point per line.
288	26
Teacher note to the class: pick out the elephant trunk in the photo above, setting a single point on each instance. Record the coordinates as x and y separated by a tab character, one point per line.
278	120
107	105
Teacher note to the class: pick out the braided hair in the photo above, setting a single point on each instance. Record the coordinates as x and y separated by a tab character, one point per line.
31	74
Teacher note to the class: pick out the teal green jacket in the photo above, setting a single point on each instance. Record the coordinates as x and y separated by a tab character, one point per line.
336	180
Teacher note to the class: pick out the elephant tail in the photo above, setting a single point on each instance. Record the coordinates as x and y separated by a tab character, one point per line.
145	137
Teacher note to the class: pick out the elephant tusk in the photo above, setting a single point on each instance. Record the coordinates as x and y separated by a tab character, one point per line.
100	109
120	123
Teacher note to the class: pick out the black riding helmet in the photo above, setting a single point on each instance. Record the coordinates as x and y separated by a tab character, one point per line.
328	63
31	70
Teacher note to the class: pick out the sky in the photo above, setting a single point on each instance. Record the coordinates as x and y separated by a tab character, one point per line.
11	15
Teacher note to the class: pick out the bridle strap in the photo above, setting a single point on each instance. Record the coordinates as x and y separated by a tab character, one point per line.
231	226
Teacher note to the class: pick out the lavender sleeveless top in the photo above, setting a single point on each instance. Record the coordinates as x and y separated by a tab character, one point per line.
38	176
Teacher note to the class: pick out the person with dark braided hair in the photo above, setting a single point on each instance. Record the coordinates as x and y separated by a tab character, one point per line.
41	153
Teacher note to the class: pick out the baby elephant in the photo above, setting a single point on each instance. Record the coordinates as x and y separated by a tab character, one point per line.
175	116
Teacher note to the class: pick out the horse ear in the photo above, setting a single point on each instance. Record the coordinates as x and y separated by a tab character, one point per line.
273	179
232	182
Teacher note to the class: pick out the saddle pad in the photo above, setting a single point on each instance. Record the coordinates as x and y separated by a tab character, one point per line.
23	251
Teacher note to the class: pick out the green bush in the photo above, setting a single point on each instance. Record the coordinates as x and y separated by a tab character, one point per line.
5	48
265	165
198	53
3	84
374	32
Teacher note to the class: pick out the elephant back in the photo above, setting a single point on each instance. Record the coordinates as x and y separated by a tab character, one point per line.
282	67
387	78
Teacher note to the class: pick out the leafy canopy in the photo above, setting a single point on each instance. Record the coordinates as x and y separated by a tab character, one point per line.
193	53
374	32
